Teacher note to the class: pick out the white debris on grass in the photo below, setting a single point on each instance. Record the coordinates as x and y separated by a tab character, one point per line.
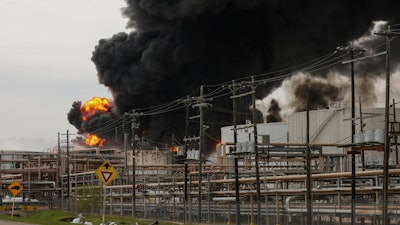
80	220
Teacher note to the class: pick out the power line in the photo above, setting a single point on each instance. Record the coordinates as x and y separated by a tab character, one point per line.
219	90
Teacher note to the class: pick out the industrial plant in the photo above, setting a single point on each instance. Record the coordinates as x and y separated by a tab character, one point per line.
262	179
222	112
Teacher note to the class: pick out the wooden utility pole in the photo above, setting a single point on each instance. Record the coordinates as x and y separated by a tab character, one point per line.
185	187
361	130
352	50
59	167
258	192
237	184
68	172
389	34
134	125
353	132
395	136
235	142
201	151
252	85
201	104
308	166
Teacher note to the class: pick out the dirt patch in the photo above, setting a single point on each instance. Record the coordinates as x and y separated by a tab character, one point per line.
67	219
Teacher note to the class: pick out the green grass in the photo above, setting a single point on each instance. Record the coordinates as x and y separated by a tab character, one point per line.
58	217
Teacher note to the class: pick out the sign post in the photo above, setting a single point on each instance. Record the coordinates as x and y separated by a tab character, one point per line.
15	188
106	173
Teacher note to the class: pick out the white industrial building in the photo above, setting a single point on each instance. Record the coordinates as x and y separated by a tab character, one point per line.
329	128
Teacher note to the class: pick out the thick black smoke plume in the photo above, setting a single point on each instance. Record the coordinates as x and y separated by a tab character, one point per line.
178	45
319	94
274	112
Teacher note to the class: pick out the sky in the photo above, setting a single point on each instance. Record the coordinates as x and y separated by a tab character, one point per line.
45	65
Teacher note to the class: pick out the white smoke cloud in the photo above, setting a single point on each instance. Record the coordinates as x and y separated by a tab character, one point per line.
370	36
380	88
286	97
28	144
370	79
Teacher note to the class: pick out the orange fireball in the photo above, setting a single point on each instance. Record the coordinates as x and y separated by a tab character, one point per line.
93	140
91	107
174	149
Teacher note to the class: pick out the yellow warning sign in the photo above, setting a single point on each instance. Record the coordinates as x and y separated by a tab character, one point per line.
106	173
15	188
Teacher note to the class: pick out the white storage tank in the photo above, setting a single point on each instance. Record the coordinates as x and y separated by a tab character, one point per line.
245	146
239	147
189	154
196	155
250	146
369	136
359	138
380	136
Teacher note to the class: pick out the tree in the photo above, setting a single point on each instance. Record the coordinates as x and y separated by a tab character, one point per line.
89	199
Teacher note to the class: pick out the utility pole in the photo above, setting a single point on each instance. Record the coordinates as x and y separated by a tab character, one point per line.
361	130
237	157
258	191
201	151
395	136
125	147
185	187
389	34
188	101
252	85
134	125
352	50
237	184
59	166
201	104
68	172
308	166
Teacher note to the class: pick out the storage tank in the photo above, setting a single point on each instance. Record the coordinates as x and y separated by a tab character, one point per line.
359	138
250	146
239	147
380	136
369	136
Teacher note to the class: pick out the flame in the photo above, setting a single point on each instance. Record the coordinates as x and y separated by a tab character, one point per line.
93	140
174	149
92	106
